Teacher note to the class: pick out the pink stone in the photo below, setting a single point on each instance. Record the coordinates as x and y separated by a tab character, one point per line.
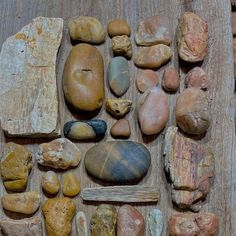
171	79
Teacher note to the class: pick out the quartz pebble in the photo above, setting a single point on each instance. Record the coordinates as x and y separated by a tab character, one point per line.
71	184
118	107
156	222
118	27
121	46
171	79
81	224
50	182
121	129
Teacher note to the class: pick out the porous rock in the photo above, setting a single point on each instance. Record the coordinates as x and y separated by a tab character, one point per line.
121	46
118	107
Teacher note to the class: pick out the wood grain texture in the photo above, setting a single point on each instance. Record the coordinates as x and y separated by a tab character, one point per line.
218	64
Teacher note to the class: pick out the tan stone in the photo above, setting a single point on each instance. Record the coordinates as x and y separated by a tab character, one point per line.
171	79
118	107
71	184
118	27
121	46
121	129
50	182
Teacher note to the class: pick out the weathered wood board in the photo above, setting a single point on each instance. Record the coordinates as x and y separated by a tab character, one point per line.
14	14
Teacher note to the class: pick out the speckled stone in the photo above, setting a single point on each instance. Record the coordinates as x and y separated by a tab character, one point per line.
118	107
118	27
71	184
121	129
156	222
121	46
50	182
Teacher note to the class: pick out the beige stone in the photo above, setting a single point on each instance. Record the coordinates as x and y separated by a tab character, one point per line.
121	46
118	27
50	182
71	184
118	107
81	224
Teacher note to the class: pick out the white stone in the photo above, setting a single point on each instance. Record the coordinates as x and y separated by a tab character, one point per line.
81	224
156	222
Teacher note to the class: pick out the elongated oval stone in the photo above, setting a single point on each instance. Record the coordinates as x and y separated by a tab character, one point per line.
156	222
50	182
118	161
71	184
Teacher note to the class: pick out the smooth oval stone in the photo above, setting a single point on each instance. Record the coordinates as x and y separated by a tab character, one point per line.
156	222
118	161
71	184
153	30
171	79
50	182
81	224
153	111
118	76
153	57
121	129
83	78
118	27
82	130
87	29
121	46
118	107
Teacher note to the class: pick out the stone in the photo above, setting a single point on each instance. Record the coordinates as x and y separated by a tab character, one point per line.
153	30
25	203
188	224
171	79
153	111
58	213
16	164
83	78
71	184
50	182
198	78
60	153
118	161
192	112
85	130
25	227
153	57
118	107
156	222
234	48
146	79
81	224
233	23
192	37
121	129
121	46
29	104
118	76
118	27
130	222
191	186
103	221
86	29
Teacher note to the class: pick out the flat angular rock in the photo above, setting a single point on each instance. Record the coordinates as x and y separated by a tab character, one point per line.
81	224
156	222
28	89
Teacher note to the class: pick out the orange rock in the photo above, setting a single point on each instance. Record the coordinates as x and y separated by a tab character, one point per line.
171	79
121	129
118	27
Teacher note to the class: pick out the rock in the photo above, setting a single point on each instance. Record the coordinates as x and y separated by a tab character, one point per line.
121	46
103	221
118	76
191	112
153	111
233	23
198	78
234	48
83	78
118	107
25	227
71	184
153	30
86	29
130	222
81	224
192	37
58	213
171	79
146	79
29	104
84	130
16	164
121	129
191	186
118	27
153	57
156	222
25	203
130	160
50	182
188	224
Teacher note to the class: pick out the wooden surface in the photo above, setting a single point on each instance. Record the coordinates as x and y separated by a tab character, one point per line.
14	14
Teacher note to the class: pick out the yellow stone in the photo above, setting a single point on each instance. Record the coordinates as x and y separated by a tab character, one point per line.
118	107
50	182
71	184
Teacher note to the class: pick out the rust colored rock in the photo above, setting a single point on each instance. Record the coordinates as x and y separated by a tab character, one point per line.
171	79
121	46
118	27
121	129
130	222
192	37
189	224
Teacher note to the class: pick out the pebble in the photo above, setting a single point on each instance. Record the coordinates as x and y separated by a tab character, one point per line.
121	46
171	79
50	182
25	203
103	221
118	161
153	30
58	213
192	112
71	184
16	164
60	153
118	107
87	29
153	57
121	129
81	224
130	222
118	76
156	222
84	130
153	111
83	78
146	79
118	27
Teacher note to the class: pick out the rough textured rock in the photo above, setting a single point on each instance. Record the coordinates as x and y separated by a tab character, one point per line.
71	184
156	222
192	37
153	30
16	164
118	27
50	182
60	153
118	161
58	213
121	129
130	222
191	186
81	224
118	107
171	79
121	46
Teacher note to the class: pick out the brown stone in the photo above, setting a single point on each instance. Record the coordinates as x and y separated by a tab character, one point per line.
233	22
234	48
118	27
121	46
71	184
171	79
121	129
50	182
118	107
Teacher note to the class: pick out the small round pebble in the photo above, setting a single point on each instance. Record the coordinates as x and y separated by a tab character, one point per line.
118	27
50	182
71	184
171	79
121	129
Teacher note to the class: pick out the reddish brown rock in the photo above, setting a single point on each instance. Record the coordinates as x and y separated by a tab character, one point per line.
171	79
130	222
118	27
121	129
